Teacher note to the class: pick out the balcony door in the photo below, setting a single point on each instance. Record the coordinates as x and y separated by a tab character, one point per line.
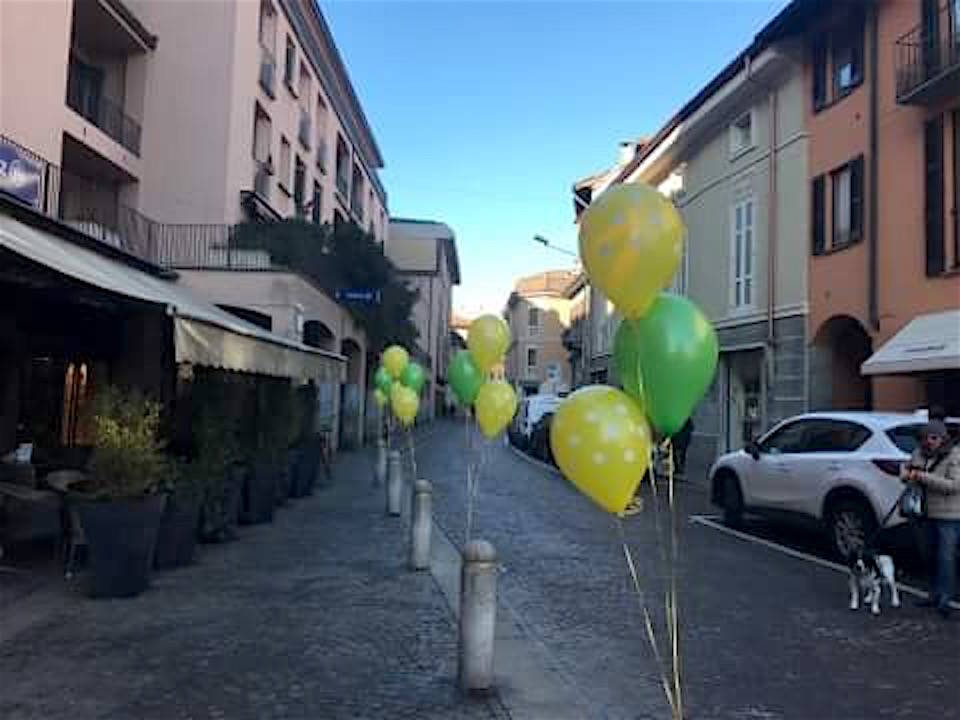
931	37
85	89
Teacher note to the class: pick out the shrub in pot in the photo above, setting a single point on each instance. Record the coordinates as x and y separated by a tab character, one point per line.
305	459
177	537
120	507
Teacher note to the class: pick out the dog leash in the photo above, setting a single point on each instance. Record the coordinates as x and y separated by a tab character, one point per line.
886	519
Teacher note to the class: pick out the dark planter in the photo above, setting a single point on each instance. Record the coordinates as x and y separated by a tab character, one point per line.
300	471
121	538
260	494
177	538
221	508
284	480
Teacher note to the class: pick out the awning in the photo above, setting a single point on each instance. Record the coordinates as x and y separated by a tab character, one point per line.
203	333
927	343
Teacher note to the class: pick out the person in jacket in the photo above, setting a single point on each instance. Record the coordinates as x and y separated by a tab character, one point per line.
936	466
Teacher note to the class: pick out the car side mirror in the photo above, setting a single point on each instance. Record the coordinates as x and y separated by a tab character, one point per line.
753	449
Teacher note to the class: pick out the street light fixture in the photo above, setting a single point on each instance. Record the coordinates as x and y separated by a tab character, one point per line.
546	243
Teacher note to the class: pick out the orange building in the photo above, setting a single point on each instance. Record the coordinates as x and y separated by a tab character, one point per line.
883	115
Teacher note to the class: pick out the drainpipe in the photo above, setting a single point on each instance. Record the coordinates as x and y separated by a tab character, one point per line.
872	299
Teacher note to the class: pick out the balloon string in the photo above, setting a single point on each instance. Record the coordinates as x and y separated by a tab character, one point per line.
647	622
413	455
674	620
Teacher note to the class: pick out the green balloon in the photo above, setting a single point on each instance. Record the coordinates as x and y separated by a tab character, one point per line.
678	357
413	376
626	358
383	380
465	378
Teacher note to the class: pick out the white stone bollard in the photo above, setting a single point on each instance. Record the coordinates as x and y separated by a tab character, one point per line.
380	469
420	526
394	482
478	616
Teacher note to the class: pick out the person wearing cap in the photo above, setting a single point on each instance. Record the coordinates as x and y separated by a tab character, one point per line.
936	466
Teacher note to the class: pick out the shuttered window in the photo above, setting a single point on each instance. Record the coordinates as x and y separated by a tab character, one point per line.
956	165
933	190
819	75
818	205
856	200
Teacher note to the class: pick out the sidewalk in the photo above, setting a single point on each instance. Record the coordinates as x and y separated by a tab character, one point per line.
314	616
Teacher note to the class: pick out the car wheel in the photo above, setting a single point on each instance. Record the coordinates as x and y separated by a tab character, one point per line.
850	523
731	500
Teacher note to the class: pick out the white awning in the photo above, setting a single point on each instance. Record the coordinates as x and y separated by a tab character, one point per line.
203	333
927	343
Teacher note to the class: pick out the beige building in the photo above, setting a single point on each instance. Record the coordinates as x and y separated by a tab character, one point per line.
538	314
160	125
425	253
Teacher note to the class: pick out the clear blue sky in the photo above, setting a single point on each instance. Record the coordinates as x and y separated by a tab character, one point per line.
487	112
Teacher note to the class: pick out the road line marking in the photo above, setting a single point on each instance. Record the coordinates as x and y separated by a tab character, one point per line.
711	522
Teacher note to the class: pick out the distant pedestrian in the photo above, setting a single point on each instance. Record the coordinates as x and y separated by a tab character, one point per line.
936	466
681	442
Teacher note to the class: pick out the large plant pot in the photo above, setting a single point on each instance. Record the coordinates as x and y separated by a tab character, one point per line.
177	537
260	494
221	509
121	537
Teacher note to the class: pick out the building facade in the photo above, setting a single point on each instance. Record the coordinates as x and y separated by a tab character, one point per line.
425	254
538	314
155	127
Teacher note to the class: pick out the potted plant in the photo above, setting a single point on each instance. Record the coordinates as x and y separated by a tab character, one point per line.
177	537
260	486
305	458
121	505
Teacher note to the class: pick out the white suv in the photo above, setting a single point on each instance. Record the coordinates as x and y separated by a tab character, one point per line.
839	468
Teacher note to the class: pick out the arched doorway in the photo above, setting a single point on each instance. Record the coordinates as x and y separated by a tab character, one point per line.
840	347
351	394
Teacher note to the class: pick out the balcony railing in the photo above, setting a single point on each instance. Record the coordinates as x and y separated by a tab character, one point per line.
304	133
928	58
86	99
206	247
268	72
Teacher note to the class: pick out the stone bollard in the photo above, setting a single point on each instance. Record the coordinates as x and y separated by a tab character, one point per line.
380	469
394	482
478	616
420	525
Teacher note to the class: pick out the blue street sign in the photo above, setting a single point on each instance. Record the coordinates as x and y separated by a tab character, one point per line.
19	174
359	295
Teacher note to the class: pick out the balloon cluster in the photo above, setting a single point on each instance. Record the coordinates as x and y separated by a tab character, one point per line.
665	350
494	402
399	381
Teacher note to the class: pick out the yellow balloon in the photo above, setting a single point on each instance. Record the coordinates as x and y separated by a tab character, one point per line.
395	359
404	403
601	442
494	407
379	397
631	244
488	340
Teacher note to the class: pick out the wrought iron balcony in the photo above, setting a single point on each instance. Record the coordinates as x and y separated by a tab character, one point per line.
207	247
928	58
86	99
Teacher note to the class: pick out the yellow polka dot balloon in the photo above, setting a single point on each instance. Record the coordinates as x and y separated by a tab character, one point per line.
601	441
631	244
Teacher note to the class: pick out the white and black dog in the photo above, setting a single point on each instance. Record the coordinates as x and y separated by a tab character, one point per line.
869	572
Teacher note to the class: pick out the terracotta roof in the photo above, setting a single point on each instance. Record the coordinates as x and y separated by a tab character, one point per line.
551	282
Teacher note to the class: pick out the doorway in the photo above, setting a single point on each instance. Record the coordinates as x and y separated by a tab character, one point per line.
743	402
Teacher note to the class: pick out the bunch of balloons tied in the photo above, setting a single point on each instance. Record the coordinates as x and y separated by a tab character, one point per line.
398	381
494	402
664	351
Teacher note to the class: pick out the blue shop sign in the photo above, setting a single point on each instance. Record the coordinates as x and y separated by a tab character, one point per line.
19	174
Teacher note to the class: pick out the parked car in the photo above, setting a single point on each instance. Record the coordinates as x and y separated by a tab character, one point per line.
839	469
540	440
531	410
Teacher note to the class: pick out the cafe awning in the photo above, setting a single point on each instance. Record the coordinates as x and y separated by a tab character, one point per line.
204	334
927	343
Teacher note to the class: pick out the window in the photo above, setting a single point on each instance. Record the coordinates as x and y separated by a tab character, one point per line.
818	207
268	26
284	179
819	74
316	206
933	189
742	235
343	167
847	63
304	87
356	189
741	134
531	359
299	187
839	59
846	196
321	120
787	439
834	436
290	63
533	321
261	135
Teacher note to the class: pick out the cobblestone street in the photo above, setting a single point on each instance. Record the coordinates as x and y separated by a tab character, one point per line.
314	616
764	635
